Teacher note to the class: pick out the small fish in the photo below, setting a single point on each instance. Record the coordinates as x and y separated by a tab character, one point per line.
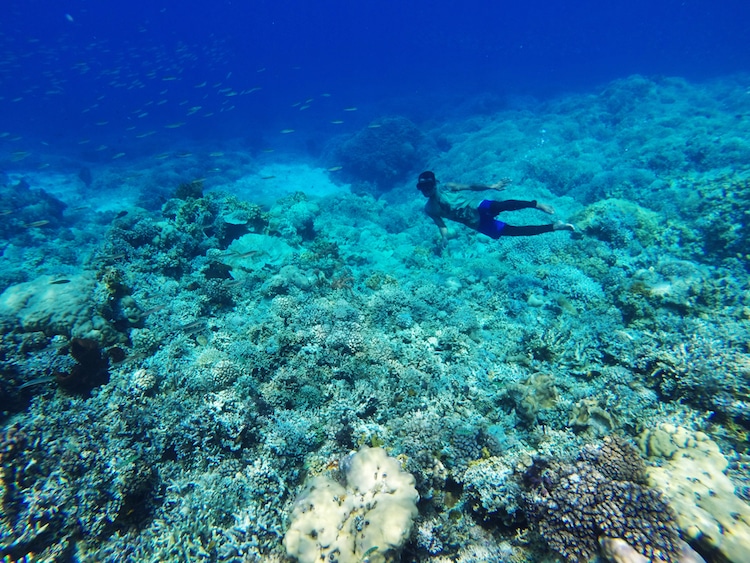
374	126
153	310
247	254
350	109
118	155
102	122
195	326
285	131
267	177
215	154
335	168
144	135
169	79
201	85
35	224
37	381
174	125
251	90
366	555
268	150
121	214
60	281
304	107
337	121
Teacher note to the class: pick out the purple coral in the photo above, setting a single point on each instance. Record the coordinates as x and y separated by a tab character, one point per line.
602	494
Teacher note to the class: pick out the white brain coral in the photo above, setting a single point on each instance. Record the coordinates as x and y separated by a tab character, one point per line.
369	519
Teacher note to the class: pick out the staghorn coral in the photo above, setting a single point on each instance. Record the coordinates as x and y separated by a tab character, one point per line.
706	365
492	491
602	494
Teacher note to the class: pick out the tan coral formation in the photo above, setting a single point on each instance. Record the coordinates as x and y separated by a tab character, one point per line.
692	477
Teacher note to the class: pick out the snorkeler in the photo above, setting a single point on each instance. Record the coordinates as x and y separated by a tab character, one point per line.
476	211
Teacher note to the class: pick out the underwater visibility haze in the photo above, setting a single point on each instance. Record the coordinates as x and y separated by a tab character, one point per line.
352	282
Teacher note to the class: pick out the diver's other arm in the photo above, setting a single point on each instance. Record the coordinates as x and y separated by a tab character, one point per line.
499	185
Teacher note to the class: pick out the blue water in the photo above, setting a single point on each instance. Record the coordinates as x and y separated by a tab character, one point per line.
221	297
112	61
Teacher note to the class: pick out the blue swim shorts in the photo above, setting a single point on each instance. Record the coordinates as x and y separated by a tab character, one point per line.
488	225
491	227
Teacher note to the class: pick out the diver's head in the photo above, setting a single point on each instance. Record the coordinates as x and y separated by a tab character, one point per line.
427	183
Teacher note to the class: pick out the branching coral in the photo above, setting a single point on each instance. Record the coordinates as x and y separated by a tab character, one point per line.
602	495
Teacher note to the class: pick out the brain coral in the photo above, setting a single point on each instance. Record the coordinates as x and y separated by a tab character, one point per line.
367	520
692	476
46	305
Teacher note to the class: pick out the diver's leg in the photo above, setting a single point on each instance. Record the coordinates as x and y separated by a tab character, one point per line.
491	208
526	230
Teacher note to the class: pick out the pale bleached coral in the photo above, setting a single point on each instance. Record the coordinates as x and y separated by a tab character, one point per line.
368	520
54	305
692	476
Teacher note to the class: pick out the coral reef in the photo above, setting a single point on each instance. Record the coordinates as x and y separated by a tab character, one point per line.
692	475
55	306
602	494
376	159
493	491
254	334
368	519
90	370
